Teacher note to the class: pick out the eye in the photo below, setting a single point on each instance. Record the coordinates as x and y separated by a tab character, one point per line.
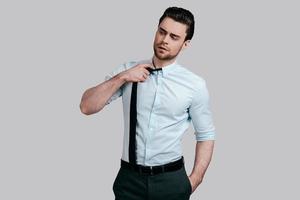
174	37
162	32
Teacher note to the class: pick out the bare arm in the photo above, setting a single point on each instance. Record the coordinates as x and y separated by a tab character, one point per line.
94	99
204	151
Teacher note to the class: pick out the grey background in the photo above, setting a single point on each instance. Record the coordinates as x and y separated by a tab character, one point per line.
51	51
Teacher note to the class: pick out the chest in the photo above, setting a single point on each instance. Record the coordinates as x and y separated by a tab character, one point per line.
162	96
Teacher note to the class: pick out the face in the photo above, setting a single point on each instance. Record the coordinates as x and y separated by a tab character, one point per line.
169	39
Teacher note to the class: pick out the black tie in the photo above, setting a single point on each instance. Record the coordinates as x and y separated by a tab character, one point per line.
132	124
151	70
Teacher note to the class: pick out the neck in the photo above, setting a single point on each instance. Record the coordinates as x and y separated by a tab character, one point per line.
162	63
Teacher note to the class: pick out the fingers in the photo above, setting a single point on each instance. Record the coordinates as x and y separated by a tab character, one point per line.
139	73
147	65
145	75
146	71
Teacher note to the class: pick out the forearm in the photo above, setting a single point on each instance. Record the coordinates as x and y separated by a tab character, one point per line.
95	98
203	155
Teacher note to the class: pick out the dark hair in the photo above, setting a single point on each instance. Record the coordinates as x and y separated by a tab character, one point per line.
183	16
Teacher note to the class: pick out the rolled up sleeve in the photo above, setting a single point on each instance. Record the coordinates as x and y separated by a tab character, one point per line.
201	115
114	72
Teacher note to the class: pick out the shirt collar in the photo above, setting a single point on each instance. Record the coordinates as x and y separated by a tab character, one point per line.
166	69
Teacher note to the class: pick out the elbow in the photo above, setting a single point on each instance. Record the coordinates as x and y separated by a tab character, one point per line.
88	110
84	109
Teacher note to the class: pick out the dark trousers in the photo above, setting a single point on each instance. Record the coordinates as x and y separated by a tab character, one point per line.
132	185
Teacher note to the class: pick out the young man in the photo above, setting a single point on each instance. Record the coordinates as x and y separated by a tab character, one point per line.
160	99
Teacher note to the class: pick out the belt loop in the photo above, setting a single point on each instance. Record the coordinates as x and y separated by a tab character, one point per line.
151	170
163	168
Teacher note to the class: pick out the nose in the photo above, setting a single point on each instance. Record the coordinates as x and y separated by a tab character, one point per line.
166	39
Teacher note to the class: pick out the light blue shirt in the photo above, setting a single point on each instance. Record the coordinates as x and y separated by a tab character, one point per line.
167	101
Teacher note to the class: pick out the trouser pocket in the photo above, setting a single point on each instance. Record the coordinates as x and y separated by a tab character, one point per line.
117	180
188	182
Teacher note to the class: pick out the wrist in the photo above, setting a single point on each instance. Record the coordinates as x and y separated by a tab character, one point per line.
197	179
123	77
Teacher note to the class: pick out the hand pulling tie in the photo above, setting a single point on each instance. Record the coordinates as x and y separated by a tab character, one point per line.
132	123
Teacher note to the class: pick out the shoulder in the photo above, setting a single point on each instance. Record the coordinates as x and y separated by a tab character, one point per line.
196	80
197	84
124	66
130	64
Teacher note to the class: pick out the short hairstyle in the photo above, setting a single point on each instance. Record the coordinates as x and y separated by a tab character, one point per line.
183	16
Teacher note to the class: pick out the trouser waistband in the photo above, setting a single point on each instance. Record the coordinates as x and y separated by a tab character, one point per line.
152	170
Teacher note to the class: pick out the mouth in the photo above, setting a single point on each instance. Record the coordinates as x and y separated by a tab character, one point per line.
162	48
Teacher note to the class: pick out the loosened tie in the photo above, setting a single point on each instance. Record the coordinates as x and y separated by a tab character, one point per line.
133	120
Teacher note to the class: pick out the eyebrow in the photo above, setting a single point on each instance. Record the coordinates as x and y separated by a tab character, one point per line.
172	34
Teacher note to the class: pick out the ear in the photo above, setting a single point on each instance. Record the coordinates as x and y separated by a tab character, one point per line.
186	44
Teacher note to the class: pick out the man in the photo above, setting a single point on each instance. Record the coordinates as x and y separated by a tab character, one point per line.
160	99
